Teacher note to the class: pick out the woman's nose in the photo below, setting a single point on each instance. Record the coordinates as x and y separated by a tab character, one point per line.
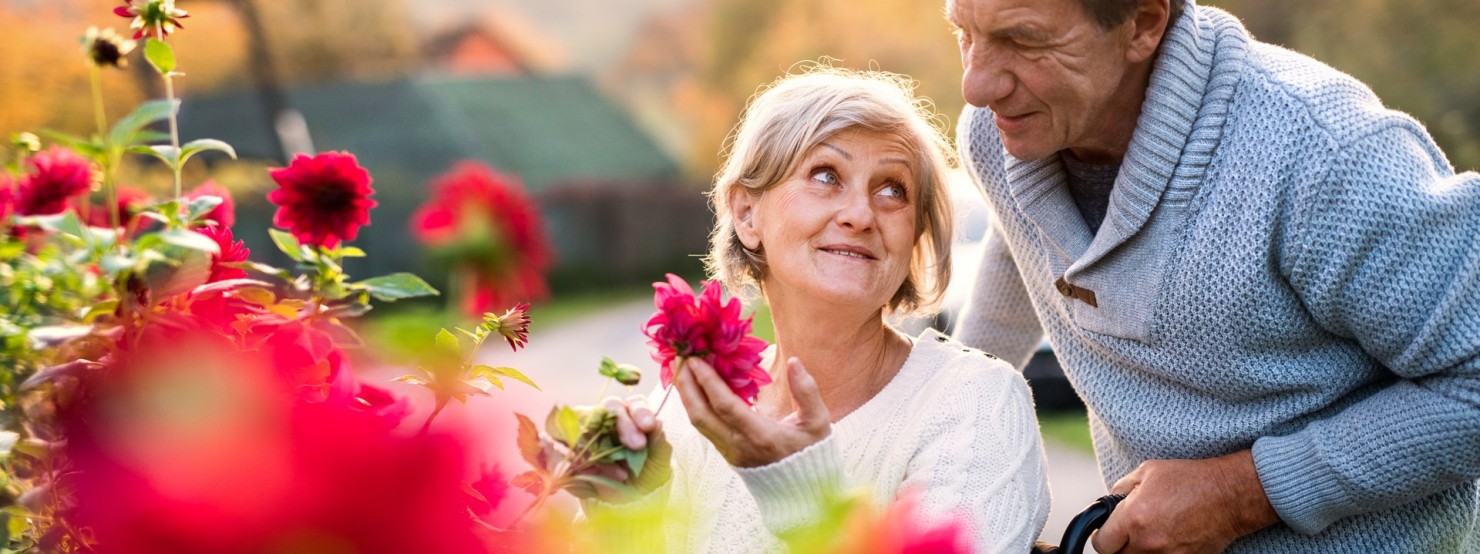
856	211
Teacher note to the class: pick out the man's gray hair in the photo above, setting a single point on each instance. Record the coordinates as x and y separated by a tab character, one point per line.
1111	13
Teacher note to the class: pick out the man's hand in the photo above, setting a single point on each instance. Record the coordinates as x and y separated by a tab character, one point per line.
1186	506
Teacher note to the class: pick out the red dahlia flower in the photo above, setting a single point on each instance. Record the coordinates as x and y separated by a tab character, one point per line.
232	251
130	201
223	214
482	222
705	327
7	198
154	18
57	175
322	199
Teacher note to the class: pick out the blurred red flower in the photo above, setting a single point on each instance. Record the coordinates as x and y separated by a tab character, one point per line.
152	18
223	214
57	175
902	531
482	223
322	199
231	251
708	328
130	201
7	198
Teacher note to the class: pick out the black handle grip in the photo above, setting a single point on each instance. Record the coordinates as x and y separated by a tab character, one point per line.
1076	537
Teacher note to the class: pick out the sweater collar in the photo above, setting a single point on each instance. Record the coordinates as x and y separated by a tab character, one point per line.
1185	105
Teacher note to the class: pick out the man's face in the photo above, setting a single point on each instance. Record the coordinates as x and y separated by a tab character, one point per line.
1046	70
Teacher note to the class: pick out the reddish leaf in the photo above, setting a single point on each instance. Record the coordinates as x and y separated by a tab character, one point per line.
531	481
529	442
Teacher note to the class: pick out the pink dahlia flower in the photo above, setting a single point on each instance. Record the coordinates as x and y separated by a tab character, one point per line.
708	328
57	175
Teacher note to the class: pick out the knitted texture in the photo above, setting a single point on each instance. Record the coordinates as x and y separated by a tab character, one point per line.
955	425
1285	266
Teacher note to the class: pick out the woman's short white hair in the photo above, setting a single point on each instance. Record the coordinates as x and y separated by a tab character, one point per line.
786	119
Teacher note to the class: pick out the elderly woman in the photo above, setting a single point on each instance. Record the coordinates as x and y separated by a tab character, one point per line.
832	204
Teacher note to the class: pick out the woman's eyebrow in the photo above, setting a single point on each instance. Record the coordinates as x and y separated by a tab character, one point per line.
840	151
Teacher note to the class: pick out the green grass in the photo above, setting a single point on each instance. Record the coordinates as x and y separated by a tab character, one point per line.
1068	428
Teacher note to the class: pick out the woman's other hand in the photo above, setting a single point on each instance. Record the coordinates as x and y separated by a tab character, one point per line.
637	428
744	437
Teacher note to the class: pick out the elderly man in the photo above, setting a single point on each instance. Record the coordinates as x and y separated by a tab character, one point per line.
1264	285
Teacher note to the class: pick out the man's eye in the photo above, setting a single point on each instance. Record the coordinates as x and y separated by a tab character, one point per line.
826	176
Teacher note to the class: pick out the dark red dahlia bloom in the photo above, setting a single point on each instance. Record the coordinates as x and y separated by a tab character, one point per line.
708	328
482	221
57	175
223	214
232	251
322	199
152	18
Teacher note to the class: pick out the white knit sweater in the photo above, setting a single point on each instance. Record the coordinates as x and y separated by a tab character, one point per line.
955	425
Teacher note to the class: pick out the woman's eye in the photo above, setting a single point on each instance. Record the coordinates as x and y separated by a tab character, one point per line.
893	190
825	176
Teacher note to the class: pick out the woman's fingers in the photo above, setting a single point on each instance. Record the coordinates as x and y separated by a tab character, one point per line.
728	407
696	404
627	431
810	409
642	415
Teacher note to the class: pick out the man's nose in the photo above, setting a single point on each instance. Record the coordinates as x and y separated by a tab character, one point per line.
985	79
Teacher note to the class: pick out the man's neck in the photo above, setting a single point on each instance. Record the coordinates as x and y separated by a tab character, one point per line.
1108	142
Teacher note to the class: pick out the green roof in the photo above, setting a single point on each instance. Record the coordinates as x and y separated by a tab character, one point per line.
544	129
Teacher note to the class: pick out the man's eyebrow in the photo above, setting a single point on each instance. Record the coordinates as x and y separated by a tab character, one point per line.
1019	32
840	151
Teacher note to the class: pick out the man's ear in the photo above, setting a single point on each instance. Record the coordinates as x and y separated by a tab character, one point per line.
1148	27
743	212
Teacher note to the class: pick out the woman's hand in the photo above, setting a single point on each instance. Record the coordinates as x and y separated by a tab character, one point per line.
637	428
744	437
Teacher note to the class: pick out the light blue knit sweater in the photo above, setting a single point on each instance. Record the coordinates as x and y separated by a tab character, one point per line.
1285	266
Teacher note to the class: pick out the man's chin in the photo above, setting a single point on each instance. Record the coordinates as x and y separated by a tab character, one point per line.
1027	152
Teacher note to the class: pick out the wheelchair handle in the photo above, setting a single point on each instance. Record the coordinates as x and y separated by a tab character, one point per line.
1076	537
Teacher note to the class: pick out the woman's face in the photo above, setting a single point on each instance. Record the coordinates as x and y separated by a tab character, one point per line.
842	227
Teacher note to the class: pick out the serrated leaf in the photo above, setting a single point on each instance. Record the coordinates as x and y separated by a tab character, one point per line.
130	129
287	243
160	55
506	372
529	442
396	286
201	145
186	238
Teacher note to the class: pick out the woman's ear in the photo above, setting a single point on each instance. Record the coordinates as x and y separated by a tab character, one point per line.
743	206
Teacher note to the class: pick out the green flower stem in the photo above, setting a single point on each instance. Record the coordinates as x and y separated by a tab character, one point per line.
169	92
102	119
678	362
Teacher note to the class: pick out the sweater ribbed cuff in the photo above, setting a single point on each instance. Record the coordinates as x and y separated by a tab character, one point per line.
793	492
1304	490
635	526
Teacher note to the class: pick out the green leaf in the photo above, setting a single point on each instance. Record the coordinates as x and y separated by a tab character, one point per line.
447	341
186	238
100	308
351	252
163	152
636	460
569	423
160	55
65	223
505	372
128	130
287	243
413	380
268	270
492	380
202	205
201	145
396	286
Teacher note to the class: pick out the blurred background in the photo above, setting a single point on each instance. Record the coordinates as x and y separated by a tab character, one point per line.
611	113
